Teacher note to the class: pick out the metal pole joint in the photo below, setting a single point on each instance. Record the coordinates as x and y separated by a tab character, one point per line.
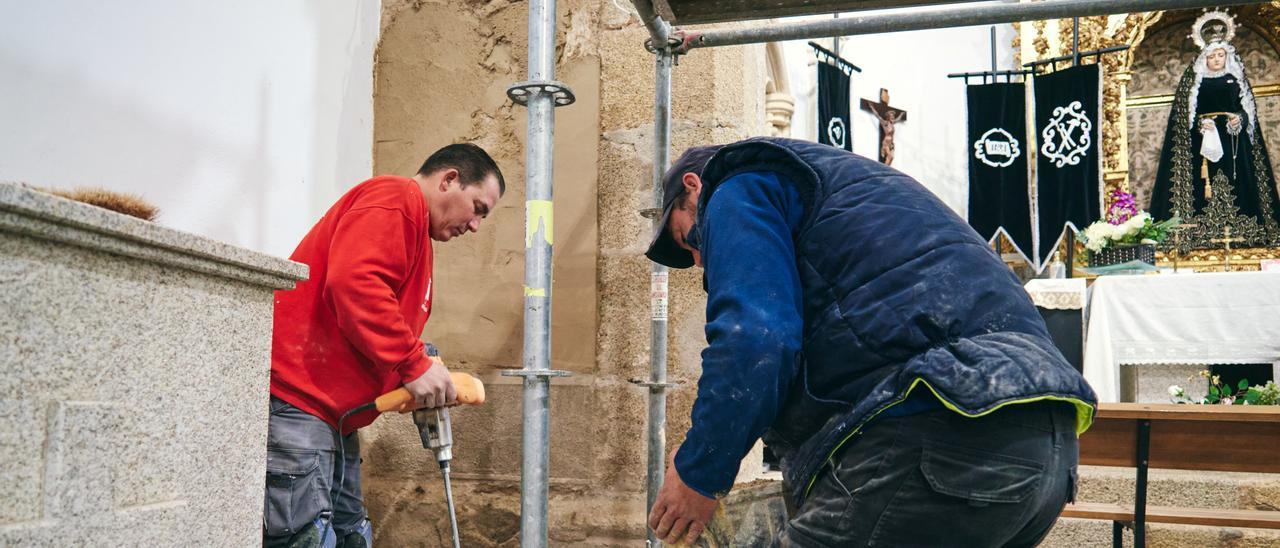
653	385
675	41
535	373
521	92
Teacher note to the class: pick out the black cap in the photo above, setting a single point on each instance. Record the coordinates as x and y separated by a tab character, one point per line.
664	249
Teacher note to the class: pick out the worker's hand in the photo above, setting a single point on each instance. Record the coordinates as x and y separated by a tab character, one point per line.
679	514
434	388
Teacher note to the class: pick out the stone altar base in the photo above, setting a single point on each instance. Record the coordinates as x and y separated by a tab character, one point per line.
1150	383
133	404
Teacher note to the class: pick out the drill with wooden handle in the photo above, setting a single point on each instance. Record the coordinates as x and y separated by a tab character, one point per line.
470	392
434	425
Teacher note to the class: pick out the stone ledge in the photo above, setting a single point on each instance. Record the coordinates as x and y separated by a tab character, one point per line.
39	215
1073	532
1182	488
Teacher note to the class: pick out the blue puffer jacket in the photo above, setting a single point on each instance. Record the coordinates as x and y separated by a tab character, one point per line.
899	295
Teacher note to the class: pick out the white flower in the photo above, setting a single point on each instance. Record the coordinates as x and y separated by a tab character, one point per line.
1133	225
1175	390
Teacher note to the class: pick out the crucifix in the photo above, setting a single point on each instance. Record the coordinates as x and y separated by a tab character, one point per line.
887	116
1227	239
1177	241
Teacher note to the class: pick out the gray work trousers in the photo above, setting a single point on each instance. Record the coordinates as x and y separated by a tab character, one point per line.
940	479
304	506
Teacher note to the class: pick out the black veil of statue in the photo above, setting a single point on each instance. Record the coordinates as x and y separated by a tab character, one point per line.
1238	189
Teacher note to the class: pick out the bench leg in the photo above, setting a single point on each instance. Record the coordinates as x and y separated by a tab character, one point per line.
1117	534
1140	497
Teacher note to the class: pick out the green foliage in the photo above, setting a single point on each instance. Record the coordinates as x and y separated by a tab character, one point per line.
1241	394
1158	231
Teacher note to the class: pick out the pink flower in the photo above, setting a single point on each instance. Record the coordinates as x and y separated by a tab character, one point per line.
1123	207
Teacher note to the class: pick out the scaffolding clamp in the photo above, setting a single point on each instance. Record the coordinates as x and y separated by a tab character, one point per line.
652	385
535	373
679	42
561	95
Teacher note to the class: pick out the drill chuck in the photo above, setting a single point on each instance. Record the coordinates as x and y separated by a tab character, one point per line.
436	431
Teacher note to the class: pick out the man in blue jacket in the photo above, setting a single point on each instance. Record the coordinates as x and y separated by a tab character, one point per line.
876	343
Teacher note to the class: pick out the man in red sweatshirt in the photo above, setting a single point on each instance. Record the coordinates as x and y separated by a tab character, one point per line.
351	332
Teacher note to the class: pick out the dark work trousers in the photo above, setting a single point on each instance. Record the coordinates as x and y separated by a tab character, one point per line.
304	507
941	479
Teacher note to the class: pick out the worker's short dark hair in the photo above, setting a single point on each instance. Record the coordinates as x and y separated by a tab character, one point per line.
473	164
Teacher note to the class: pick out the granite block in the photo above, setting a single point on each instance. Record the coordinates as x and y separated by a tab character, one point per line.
133	408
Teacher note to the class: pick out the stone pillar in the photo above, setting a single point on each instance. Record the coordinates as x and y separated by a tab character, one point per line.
133	404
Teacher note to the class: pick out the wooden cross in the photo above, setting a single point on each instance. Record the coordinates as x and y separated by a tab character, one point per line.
1227	239
887	116
1177	242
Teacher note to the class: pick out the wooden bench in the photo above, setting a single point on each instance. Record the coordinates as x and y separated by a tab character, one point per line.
1211	438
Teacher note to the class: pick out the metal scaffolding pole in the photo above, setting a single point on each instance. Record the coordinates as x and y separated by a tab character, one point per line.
541	94
659	30
934	18
658	286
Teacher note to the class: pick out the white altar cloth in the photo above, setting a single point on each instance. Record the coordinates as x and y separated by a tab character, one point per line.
1179	319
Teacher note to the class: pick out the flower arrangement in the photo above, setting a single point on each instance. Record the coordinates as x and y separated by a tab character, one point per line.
1221	394
1124	225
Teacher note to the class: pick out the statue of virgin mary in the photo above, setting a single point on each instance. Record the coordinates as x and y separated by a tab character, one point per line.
1214	168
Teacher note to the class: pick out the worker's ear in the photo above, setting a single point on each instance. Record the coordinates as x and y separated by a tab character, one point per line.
448	177
692	182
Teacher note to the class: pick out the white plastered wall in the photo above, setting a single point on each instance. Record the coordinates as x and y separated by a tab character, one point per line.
932	145
242	120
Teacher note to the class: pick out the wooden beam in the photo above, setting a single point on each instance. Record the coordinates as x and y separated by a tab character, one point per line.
1213	517
1186	437
1169	411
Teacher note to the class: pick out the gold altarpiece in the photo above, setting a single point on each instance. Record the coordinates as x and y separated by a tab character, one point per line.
1138	86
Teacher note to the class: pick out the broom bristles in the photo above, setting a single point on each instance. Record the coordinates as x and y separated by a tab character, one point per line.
128	204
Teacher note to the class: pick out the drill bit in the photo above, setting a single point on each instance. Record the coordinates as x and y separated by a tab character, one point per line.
436	430
448	496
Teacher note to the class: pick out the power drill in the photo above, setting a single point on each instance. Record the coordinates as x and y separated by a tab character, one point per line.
436	430
434	426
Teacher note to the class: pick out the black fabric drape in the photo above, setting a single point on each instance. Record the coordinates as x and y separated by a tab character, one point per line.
1068	182
998	194
1249	190
833	107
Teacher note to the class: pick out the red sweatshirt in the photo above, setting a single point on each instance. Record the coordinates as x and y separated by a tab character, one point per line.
350	332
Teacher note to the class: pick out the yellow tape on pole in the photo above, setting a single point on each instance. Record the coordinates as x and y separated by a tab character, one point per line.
537	213
531	292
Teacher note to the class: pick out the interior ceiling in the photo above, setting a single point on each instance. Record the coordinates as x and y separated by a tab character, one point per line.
691	12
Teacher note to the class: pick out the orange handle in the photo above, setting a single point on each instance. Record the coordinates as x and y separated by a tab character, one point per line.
470	392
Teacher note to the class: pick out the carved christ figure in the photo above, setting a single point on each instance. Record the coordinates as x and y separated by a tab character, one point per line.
887	116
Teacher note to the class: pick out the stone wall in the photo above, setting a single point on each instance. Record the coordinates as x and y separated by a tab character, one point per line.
441	75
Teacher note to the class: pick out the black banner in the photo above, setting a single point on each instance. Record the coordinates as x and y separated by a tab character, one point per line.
1068	174
999	200
833	106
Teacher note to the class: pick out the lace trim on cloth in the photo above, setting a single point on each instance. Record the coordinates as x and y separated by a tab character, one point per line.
1058	294
1193	352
